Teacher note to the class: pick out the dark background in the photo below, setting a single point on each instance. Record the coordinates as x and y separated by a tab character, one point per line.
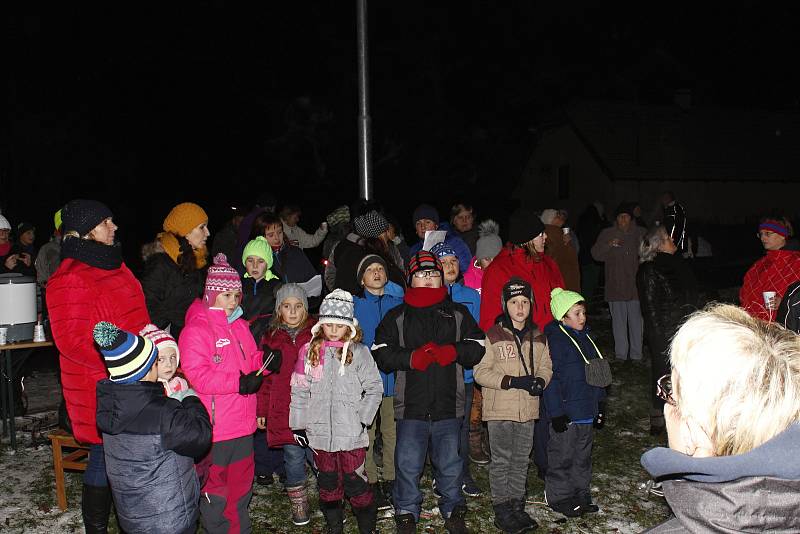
147	107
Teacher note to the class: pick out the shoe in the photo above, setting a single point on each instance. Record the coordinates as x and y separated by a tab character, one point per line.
476	453
95	508
301	514
387	487
569	508
264	480
455	523
366	517
504	519
657	430
470	488
381	502
522	517
334	516
655	488
405	523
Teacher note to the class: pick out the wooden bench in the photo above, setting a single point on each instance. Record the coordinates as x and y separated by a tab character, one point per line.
76	460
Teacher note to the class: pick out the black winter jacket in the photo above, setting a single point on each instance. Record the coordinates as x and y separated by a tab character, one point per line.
438	392
168	292
150	442
789	310
258	304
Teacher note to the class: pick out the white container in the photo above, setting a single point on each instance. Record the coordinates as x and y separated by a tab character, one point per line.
769	299
18	306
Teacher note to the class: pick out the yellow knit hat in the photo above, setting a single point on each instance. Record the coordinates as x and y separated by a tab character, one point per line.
562	300
184	218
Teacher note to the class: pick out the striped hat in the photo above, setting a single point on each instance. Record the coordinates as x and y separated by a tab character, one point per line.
337	308
221	278
161	339
128	357
423	261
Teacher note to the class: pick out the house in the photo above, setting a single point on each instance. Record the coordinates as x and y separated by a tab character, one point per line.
724	165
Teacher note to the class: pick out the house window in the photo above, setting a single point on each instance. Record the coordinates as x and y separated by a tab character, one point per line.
563	182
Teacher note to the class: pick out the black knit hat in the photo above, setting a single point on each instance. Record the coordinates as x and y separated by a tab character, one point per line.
524	225
624	207
364	264
81	216
371	224
514	288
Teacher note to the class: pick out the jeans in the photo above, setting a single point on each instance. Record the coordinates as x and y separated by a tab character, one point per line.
294	460
95	474
415	438
463	448
268	460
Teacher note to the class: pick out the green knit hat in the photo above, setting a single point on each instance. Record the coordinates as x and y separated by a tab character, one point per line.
260	248
562	300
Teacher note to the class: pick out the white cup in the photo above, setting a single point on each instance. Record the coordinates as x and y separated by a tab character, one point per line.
565	230
769	299
38	333
3	335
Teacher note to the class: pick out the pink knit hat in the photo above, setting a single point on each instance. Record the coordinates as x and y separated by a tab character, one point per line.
221	278
161	339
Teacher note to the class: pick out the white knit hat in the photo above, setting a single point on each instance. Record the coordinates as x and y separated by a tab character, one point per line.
337	308
4	224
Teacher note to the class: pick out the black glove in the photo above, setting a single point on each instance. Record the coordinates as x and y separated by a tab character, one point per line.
534	385
538	387
300	437
600	418
275	365
560	423
249	383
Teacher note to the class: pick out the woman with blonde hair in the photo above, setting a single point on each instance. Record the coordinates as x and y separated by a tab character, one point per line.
732	411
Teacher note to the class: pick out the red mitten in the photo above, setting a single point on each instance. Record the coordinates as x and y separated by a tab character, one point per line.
445	354
422	357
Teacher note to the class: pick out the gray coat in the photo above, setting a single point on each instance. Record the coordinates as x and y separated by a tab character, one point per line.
333	410
621	263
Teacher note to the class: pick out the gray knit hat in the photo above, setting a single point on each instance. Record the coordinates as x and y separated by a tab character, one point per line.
371	224
365	262
290	290
489	243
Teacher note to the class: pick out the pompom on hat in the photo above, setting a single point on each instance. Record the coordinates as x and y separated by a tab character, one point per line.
161	339
220	279
562	300
81	216
337	308
127	356
489	243
183	218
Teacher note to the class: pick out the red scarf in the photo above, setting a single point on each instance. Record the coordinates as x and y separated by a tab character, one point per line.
422	297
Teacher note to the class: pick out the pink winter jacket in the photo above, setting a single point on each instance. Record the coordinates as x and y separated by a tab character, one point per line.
474	276
213	354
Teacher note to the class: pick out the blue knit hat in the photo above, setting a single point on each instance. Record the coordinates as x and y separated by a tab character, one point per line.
442	250
127	356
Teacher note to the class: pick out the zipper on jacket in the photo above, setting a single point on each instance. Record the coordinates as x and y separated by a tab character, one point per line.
213	409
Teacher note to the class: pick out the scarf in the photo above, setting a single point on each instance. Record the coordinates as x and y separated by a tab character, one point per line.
422	297
303	373
94	253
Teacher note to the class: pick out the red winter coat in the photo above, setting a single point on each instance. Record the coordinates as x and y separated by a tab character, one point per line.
276	392
78	297
543	275
774	272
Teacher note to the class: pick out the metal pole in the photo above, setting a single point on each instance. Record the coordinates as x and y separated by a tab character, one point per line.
364	126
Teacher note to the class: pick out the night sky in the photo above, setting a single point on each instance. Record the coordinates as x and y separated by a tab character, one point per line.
147	107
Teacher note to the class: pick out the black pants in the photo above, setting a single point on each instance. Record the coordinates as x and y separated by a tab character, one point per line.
569	457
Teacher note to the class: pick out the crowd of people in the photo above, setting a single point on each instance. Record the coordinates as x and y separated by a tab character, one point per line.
236	362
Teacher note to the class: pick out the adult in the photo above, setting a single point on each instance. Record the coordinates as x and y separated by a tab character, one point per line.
667	293
561	248
732	411
13	258
462	220
226	239
48	260
772	273
175	277
674	220
26	238
428	340
524	258
426	218
290	216
590	223
92	284
265	203
618	248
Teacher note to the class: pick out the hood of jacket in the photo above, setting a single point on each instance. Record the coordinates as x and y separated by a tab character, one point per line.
120	407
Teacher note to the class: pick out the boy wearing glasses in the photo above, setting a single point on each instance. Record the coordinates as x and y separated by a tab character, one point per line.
575	407
428	340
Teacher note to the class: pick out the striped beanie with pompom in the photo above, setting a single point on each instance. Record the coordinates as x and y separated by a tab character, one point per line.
220	279
127	356
161	339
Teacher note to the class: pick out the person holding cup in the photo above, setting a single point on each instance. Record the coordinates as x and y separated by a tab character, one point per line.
766	281
561	247
13	259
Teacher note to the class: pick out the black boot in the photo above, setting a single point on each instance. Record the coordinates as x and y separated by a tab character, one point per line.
521	516
96	507
334	515
504	520
366	517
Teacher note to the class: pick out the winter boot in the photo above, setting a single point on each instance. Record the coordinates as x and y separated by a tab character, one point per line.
476	453
504	519
299	501
405	524
334	515
381	502
366	517
521	516
455	523
95	508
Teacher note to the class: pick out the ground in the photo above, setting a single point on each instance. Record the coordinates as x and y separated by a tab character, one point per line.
618	484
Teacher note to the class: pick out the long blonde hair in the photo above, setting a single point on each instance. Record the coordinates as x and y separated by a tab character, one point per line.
316	342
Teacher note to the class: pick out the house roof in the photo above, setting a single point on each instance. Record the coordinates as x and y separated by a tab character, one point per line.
669	143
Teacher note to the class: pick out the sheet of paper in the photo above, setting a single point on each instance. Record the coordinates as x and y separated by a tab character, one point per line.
313	287
432	237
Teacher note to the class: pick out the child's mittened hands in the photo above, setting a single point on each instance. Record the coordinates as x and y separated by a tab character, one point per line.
300	437
560	423
249	383
538	387
526	383
445	354
423	357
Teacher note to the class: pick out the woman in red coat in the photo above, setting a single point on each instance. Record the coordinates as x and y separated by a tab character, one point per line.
92	284
523	257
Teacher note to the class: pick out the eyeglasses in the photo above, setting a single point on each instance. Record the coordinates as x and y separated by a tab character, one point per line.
664	390
427	274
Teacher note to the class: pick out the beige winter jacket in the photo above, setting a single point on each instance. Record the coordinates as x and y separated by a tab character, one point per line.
501	362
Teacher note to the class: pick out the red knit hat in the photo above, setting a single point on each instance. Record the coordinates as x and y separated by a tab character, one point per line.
221	278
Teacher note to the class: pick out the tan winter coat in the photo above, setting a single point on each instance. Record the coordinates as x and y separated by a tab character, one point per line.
500	362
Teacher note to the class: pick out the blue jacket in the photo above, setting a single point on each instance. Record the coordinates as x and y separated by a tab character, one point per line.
568	393
150	442
472	300
369	309
462	250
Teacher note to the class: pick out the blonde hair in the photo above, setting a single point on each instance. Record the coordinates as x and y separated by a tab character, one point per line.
738	377
316	342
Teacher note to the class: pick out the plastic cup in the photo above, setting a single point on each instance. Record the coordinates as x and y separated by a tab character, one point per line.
769	299
38	333
3	335
565	230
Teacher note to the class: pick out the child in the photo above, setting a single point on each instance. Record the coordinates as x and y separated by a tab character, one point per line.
149	439
573	405
289	331
336	391
258	286
223	364
513	372
369	309
487	247
169	358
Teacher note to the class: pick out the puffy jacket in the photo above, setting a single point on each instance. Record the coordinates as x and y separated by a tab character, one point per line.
621	263
347	254
370	309
150	442
541	273
502	359
336	410
78	297
773	272
169	292
568	393
474	276
258	304
213	356
427	315
275	394
472	301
